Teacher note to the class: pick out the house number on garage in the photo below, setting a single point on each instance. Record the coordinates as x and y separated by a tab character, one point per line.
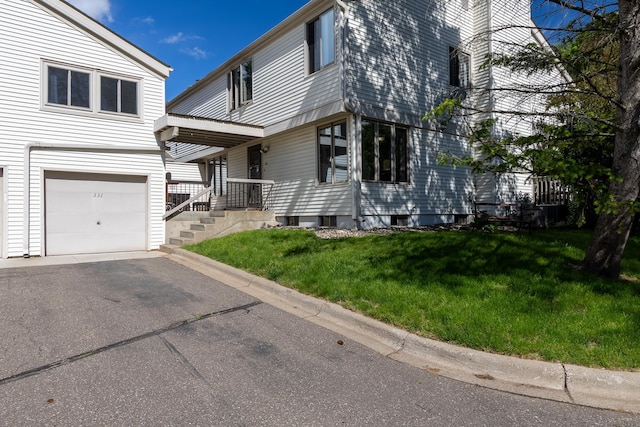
97	195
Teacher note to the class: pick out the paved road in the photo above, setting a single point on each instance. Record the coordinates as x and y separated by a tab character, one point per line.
150	342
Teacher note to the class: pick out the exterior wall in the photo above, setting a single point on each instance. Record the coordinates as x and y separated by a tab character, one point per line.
508	29
292	163
397	75
29	35
282	89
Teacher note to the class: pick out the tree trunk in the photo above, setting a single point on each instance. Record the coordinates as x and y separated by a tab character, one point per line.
604	254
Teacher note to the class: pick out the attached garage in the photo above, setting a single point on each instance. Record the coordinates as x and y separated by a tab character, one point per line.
94	213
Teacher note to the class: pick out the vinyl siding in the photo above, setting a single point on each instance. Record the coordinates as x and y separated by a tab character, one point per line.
29	36
281	88
291	163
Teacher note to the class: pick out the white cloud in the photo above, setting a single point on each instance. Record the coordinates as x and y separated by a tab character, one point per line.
174	39
148	20
97	9
178	38
195	52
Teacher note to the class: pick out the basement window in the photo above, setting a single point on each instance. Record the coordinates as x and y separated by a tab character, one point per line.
328	221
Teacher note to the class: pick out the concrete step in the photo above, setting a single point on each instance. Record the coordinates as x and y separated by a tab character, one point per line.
187	235
208	220
180	241
217	214
198	227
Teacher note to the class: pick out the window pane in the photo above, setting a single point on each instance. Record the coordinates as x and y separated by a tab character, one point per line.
234	89
129	97
317	45
58	84
384	142
340	158
247	82
324	154
463	70
108	94
401	155
328	49
368	151
79	89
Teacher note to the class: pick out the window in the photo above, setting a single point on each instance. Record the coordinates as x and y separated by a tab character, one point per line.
118	96
292	221
321	42
459	62
399	220
328	221
74	87
384	152
68	87
240	85
332	153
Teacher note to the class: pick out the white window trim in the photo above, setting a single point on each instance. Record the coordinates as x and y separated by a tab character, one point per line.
232	103
309	53
94	93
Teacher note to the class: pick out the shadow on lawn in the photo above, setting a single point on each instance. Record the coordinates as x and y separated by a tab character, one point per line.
534	263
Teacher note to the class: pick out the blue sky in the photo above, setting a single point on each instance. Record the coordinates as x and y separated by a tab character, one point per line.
192	36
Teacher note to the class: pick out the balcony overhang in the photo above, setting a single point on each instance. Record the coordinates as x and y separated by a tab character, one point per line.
204	131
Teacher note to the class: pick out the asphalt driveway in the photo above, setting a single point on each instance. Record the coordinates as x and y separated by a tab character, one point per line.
151	342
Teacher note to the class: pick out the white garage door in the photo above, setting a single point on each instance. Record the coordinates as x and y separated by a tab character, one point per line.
90	213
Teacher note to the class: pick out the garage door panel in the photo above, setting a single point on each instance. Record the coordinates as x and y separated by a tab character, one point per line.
95	213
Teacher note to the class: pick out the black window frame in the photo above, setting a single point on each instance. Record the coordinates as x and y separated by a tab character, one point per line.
385	161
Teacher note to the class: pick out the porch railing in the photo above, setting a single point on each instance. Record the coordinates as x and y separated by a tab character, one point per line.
549	191
249	193
187	196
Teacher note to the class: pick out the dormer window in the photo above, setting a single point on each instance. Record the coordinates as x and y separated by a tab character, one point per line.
240	85
321	42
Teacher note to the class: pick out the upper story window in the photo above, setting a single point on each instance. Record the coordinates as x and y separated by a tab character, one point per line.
321	42
68	87
241	85
384	152
118	95
459	68
333	160
74	88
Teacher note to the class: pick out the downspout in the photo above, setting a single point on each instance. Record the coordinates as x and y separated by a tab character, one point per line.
61	147
356	190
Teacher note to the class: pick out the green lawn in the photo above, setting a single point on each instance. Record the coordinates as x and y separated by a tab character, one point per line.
511	293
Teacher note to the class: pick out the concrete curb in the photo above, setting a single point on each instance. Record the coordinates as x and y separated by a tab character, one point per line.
599	388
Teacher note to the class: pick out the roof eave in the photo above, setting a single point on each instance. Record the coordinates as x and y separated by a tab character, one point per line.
79	19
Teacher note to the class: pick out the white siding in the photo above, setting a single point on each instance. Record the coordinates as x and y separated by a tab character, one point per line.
28	37
281	87
291	163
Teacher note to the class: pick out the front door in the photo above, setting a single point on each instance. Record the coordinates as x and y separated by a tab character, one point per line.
254	191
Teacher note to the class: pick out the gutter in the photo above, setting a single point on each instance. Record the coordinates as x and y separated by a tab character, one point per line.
60	147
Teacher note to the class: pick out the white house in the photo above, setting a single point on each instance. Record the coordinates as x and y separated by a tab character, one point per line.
81	170
329	104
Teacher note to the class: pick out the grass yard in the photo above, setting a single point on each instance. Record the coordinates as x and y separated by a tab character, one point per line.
511	293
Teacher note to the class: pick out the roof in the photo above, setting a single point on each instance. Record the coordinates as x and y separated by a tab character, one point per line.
204	131
95	29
